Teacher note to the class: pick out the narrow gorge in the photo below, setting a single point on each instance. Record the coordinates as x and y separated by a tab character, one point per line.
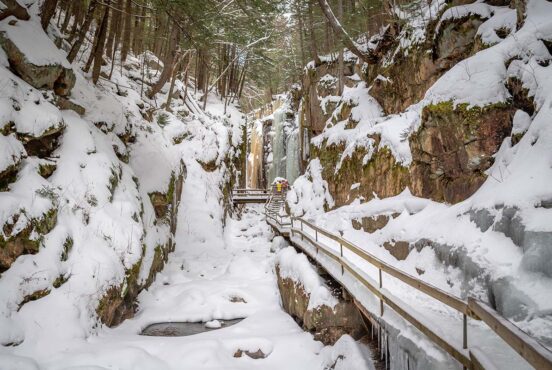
290	184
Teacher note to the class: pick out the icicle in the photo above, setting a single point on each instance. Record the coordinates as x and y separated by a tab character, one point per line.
278	168
292	156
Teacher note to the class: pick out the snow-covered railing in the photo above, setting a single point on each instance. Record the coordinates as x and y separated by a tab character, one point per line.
275	212
472	358
250	195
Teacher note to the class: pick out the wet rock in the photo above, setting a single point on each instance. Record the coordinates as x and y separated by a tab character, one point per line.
52	76
455	40
398	249
160	204
327	324
449	159
8	176
44	145
33	297
520	96
209	166
46	169
252	354
381	175
66	104
373	223
25	241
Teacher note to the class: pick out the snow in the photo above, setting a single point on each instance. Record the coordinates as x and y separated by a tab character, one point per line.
309	194
213	324
296	266
11	151
33	42
453	251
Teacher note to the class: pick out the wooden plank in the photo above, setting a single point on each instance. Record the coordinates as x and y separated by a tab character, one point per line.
529	348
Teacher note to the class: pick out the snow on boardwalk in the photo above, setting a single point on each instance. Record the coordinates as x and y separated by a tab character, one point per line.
206	280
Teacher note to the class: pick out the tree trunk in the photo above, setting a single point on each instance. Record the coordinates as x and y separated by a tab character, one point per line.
314	52
173	81
99	50
341	64
79	13
47	11
67	19
342	34
84	29
168	62
301	40
127	31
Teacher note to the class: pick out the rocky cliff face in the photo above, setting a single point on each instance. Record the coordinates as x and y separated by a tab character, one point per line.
455	114
90	184
452	145
300	289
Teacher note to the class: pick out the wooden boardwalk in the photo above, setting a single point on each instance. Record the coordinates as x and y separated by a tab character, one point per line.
334	253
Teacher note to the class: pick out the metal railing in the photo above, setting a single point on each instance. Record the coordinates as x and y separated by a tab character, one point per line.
527	347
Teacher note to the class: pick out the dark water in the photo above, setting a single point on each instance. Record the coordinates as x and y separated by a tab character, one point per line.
182	329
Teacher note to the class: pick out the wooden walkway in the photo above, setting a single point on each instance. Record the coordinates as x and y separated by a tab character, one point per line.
246	196
334	254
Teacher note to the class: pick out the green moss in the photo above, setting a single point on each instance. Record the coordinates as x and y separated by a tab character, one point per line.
113	182
180	138
33	297
445	113
46	223
46	169
67	247
60	280
8	128
172	186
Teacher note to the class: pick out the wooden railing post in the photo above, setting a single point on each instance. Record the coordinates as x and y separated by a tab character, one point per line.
341	254
465	334
301	229
380	286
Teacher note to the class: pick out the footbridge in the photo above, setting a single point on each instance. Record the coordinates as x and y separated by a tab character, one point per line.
371	282
244	196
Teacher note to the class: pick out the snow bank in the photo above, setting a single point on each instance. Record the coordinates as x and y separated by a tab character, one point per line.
296	266
309	194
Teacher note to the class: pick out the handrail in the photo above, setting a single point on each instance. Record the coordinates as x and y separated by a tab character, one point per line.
434	292
459	354
527	347
530	349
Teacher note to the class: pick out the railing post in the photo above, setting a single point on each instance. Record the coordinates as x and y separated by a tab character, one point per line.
380	286
301	229
341	254
465	334
316	234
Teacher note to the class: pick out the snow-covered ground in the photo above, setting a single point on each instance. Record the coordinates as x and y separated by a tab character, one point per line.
211	275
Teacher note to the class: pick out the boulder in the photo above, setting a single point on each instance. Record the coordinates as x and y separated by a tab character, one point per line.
326	323
52	76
